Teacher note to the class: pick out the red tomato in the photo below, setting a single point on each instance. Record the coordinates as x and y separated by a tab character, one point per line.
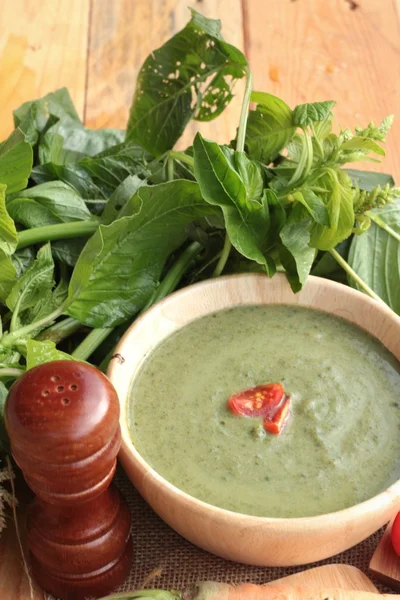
279	420
396	534
259	401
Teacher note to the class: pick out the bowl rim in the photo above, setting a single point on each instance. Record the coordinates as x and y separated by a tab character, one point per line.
128	447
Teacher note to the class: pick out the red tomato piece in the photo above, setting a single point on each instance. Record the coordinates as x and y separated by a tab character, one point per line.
278	421
396	534
259	401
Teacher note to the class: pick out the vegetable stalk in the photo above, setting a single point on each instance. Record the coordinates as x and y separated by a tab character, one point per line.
59	231
92	341
355	277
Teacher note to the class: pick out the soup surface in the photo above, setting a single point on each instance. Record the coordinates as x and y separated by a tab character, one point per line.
342	442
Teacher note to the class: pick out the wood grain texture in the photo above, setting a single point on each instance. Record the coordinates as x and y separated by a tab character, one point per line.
330	576
310	50
43	47
241	538
122	35
385	564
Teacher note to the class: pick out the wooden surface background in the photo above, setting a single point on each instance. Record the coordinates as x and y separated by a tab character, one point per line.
301	50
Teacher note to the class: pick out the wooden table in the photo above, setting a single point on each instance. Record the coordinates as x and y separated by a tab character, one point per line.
301	50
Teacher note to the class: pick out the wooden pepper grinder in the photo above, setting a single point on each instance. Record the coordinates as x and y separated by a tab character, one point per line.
62	418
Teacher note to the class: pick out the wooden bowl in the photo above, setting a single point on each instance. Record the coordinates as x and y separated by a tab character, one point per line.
238	537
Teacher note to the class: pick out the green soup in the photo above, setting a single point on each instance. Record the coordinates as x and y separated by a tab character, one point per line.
341	445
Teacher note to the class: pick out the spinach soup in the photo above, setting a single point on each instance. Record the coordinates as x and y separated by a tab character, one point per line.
341	443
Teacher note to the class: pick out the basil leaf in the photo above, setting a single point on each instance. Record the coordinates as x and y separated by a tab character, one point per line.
36	116
314	205
369	180
340	209
362	145
295	253
269	127
122	262
375	256
8	276
52	202
247	219
16	158
68	141
34	282
306	114
190	76
45	351
8	233
120	197
97	177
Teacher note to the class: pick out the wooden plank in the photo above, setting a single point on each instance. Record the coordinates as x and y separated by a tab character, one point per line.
43	46
308	50
123	33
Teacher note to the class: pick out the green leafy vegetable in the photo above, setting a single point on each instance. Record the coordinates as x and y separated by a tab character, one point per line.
306	114
240	195
375	255
269	128
15	162
8	233
38	353
8	275
121	264
186	78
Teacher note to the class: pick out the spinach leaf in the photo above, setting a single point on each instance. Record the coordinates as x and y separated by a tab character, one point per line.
39	352
369	180
97	177
16	159
190	76
295	253
247	218
8	233
120	197
306	114
8	276
122	262
33	283
269	128
68	141
375	256
339	205
35	117
51	202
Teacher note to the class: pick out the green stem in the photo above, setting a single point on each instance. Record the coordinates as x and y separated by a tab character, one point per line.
59	231
223	258
345	265
244	112
60	330
11	372
11	338
185	158
170	169
174	275
318	143
374	217
91	342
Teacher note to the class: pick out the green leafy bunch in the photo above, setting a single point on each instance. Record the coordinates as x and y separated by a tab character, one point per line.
97	225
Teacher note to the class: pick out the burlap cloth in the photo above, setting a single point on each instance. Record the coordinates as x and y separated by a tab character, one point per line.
157	546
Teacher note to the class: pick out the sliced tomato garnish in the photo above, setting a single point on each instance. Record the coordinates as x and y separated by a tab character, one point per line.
259	401
279	419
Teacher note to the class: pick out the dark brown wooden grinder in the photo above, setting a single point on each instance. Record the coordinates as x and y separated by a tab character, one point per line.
62	418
